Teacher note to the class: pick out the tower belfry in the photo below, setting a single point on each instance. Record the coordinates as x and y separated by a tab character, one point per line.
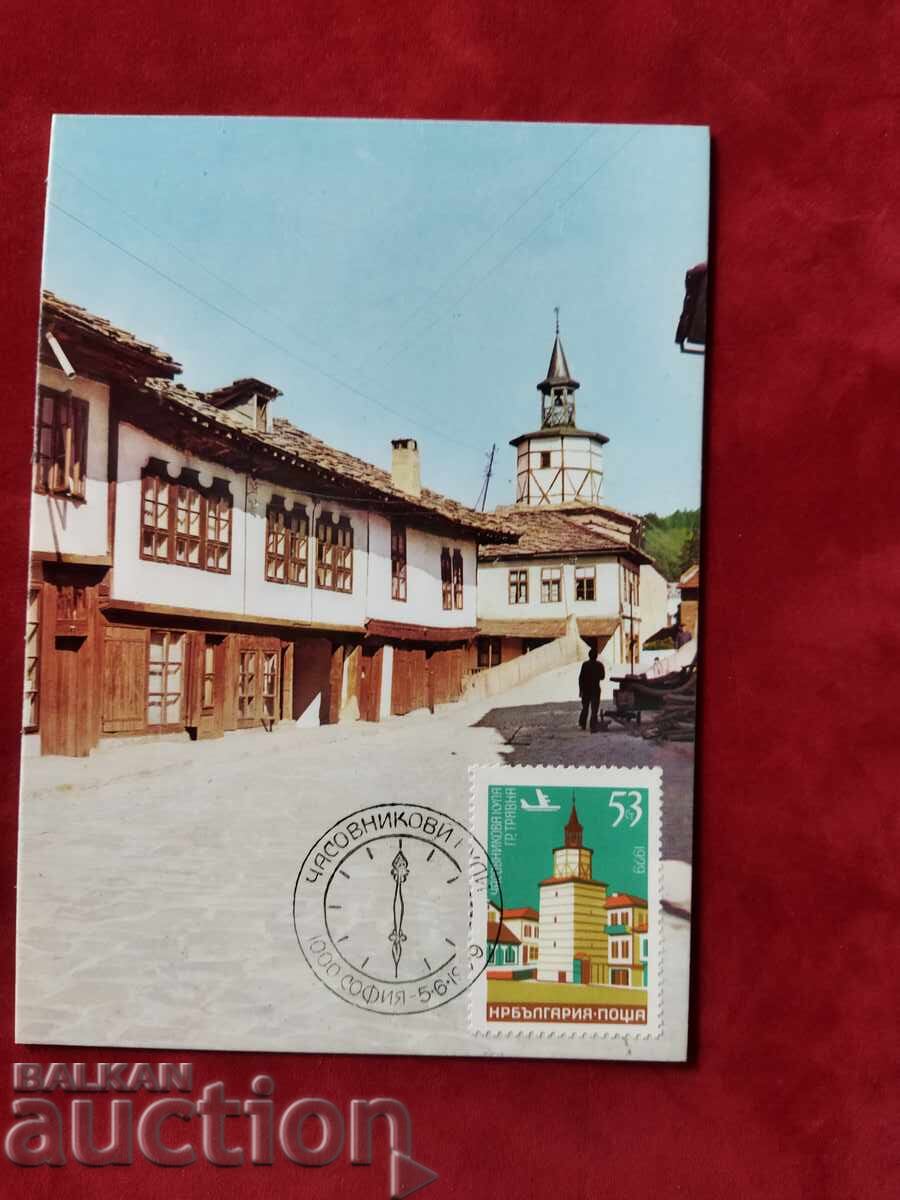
559	463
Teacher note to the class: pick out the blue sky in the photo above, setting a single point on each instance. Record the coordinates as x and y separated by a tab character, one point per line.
399	278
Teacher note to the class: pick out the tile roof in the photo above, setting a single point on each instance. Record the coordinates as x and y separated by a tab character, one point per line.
505	936
55	308
303	450
625	900
597	626
548	627
547	533
529	914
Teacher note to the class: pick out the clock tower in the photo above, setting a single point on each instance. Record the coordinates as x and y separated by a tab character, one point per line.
572	944
558	463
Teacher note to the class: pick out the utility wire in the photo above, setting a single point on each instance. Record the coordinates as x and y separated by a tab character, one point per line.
256	333
481	245
506	257
191	259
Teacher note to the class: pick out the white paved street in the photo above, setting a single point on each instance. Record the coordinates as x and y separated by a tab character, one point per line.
156	875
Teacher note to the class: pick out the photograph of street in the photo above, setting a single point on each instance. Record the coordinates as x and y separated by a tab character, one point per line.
365	452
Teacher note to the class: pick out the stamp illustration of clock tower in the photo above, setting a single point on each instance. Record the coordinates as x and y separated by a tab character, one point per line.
573	945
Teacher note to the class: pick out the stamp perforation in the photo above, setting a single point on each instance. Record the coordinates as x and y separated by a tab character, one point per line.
585	777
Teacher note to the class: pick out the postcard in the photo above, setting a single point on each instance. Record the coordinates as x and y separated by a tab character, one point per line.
361	666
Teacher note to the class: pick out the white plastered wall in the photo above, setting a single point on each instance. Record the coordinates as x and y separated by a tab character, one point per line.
63	525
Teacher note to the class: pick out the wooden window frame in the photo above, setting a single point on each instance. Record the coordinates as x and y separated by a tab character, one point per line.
398	561
334	554
517	585
167	636
258	685
61	444
446	579
246	694
287	544
551	576
586	575
208	676
489	652
459	593
190	526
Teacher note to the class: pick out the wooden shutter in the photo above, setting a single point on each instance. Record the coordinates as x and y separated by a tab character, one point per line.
78	462
124	679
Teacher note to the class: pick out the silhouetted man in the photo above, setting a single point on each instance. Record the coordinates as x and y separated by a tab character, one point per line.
589	679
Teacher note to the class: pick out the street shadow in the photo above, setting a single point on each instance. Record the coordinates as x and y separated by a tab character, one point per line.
538	733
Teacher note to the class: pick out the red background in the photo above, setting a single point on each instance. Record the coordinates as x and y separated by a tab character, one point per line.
791	1086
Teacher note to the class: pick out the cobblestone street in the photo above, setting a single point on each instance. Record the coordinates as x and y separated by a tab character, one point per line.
156	875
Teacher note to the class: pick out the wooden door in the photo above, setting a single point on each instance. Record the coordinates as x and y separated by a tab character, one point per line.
258	681
124	679
409	689
370	683
209	686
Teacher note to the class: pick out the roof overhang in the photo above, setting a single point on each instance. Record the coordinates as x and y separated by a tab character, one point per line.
564	431
399	631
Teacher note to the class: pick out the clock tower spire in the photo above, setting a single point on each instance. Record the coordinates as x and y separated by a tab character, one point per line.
558	463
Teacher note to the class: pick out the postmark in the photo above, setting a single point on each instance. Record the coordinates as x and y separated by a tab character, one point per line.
575	948
387	908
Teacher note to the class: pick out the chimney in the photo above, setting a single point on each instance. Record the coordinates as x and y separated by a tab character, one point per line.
405	468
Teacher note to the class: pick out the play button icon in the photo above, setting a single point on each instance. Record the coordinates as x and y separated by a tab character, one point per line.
408	1176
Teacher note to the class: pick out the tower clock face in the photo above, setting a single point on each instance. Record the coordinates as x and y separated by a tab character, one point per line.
385	908
390	908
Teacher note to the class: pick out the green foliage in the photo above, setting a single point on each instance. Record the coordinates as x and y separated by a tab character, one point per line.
673	541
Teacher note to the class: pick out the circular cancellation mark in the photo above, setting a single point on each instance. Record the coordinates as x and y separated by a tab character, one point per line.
390	908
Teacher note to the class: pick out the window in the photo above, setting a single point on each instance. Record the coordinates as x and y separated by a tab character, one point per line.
218	534
457	579
61	445
446	578
208	697
585	583
551	585
270	684
287	544
398	560
643	947
247	684
518	587
165	678
488	652
31	707
614	949
185	524
545	455
155	518
631	590
619	977
334	553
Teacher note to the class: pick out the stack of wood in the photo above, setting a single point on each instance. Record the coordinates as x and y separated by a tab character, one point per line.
671	699
676	721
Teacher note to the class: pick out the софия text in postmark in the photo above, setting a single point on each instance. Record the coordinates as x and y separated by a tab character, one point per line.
576	947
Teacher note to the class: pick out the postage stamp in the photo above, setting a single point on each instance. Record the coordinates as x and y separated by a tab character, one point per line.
574	942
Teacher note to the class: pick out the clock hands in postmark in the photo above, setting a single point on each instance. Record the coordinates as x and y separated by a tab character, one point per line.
400	873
